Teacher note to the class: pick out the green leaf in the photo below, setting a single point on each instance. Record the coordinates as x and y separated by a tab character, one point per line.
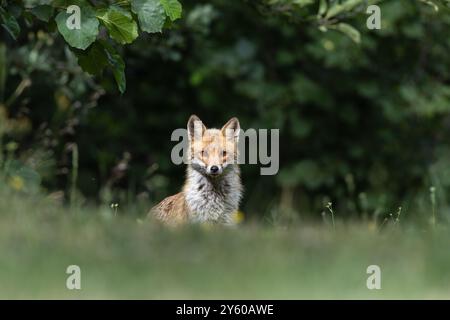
99	56
9	23
93	60
322	7
172	8
431	4
120	24
117	65
349	31
83	37
29	18
338	8
43	12
150	13
15	9
298	4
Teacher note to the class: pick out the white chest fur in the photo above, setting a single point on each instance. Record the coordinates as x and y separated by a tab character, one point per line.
213	199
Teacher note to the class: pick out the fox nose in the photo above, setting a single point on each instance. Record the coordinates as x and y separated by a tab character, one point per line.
214	169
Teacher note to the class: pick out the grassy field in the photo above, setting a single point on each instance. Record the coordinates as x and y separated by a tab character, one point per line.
122	258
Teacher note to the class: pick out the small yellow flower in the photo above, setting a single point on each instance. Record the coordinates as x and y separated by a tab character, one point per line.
16	183
12	146
62	101
238	217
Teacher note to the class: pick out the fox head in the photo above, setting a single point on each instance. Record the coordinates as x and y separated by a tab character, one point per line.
212	150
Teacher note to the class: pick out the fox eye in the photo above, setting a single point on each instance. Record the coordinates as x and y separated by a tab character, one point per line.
224	153
204	153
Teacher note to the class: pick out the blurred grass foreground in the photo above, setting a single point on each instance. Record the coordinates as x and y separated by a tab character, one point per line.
124	258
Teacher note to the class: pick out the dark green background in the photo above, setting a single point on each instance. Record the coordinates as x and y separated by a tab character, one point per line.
365	126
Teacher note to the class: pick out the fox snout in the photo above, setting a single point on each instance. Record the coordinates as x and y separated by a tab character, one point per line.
214	170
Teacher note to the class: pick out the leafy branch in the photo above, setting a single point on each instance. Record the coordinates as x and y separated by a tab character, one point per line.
330	14
122	21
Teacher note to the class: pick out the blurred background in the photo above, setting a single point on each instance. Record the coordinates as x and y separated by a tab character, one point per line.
363	124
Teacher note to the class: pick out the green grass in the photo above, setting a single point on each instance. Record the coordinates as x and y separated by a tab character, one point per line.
121	258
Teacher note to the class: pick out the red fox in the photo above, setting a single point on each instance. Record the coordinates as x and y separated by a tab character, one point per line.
213	188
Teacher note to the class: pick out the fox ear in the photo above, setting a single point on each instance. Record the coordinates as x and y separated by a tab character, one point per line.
231	129
195	127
